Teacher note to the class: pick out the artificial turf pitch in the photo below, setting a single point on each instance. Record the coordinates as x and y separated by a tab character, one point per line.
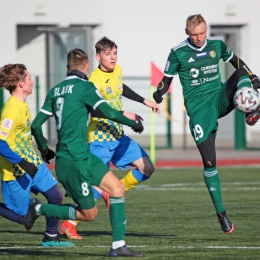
169	216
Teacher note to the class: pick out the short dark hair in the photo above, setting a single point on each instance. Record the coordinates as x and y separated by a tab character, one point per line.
76	59
104	44
10	75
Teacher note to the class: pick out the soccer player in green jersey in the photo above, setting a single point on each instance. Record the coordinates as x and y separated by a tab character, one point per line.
106	138
206	98
77	169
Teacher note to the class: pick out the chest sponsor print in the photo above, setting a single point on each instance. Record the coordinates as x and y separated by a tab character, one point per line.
194	73
202	54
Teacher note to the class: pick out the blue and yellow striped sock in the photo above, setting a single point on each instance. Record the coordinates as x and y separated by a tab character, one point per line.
133	178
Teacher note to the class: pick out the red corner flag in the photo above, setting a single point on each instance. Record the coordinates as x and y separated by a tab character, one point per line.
157	76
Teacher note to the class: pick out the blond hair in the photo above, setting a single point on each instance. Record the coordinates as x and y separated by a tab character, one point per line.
194	20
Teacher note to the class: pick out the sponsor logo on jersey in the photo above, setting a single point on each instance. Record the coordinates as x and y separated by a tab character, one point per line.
195	82
194	73
99	94
208	79
120	87
27	122
201	55
167	65
7	124
210	69
191	60
3	133
107	80
212	54
212	189
108	90
120	97
119	78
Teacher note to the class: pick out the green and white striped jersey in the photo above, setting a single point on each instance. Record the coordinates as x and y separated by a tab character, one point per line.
198	68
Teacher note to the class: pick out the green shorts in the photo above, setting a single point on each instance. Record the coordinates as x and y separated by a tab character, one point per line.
204	114
77	176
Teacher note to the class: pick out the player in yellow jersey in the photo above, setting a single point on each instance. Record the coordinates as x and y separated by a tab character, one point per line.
22	170
106	138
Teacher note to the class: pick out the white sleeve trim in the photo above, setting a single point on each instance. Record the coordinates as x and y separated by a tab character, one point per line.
98	103
230	58
46	112
169	76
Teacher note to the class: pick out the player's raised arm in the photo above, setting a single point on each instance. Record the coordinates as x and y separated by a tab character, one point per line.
118	117
162	88
130	115
239	64
130	94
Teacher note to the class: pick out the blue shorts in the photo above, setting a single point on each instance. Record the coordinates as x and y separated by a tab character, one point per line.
16	193
122	152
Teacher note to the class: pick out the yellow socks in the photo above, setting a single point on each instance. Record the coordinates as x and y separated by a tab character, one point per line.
129	181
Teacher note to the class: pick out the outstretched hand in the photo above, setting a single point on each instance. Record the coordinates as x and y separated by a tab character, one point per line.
153	105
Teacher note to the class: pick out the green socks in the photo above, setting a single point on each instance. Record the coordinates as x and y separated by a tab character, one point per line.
212	181
117	218
64	211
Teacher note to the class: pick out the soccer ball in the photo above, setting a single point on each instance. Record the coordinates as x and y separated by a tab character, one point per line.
246	99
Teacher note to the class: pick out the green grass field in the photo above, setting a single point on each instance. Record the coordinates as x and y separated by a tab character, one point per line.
170	216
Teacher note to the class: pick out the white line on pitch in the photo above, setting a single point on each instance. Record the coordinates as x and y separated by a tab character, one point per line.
175	247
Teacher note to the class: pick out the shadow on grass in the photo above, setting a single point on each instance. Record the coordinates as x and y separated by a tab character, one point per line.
8	231
128	234
44	252
91	233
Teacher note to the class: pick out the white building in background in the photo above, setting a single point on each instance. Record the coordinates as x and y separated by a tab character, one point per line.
144	30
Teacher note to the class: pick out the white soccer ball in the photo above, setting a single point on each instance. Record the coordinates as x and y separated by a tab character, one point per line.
246	99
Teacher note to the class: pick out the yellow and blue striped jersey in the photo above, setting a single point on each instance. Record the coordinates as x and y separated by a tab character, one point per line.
15	129
110	85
